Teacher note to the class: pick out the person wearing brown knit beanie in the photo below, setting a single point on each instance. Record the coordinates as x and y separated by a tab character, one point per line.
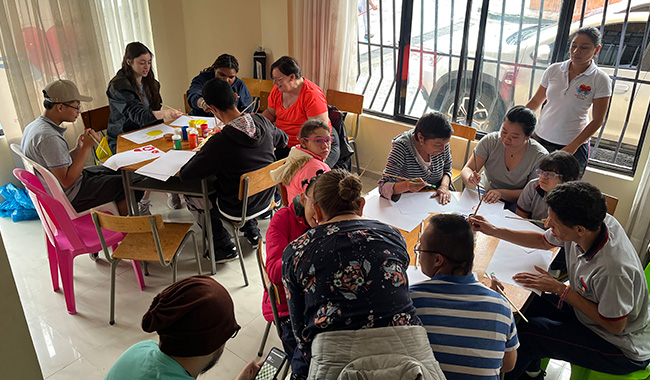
194	318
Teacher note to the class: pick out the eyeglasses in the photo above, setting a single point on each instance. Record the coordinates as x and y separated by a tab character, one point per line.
78	108
278	79
320	140
418	251
549	175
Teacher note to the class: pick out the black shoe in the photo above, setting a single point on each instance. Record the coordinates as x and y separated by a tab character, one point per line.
539	376
253	238
223	253
266	215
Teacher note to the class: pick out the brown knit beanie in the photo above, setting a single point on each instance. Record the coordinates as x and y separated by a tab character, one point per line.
193	317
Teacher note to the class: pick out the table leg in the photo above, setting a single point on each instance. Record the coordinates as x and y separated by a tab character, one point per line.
208	225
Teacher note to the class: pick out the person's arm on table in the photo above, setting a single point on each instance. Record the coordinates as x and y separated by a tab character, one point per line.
442	192
599	110
544	282
67	176
194	95
388	186
529	239
205	162
536	101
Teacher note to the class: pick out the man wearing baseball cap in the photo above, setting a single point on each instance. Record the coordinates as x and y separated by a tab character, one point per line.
194	318
43	141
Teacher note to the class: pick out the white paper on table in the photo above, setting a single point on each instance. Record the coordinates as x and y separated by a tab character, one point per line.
132	156
504	219
184	121
510	259
148	134
167	165
415	275
417	203
386	211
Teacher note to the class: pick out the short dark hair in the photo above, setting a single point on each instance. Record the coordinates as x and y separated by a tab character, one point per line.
523	116
589	31
578	204
562	163
434	125
217	92
311	125
287	66
453	238
226	61
338	191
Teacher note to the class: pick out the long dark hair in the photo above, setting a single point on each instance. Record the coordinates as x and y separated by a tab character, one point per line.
133	51
224	60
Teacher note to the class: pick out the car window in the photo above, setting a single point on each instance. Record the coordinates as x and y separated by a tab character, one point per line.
632	50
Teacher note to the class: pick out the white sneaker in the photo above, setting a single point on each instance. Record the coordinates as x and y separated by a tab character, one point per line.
173	201
144	207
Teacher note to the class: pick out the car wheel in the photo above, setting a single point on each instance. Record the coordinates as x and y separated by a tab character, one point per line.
487	117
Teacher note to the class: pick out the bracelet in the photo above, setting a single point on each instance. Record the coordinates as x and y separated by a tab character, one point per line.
563	296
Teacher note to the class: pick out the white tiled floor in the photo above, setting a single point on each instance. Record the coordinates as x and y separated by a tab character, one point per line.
84	346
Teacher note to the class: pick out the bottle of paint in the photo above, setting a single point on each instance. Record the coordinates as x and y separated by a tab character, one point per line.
184	132
193	138
177	142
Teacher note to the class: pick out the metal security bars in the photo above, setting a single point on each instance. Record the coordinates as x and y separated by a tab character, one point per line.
473	59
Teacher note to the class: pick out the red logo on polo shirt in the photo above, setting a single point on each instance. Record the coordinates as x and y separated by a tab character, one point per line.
582	91
582	287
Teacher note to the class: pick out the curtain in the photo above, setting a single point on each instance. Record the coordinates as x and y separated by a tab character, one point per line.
638	223
79	40
325	42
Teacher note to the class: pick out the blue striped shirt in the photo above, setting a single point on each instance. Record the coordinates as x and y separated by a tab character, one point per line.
469	325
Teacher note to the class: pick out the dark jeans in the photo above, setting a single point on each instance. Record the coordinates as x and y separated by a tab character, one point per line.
298	364
582	154
558	334
99	185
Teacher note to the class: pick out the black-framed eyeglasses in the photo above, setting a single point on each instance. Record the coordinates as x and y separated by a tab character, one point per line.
78	108
417	249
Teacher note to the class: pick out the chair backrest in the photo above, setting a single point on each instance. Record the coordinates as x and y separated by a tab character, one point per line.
187	104
345	101
258	180
96	119
56	221
611	202
264	101
256	86
53	185
464	131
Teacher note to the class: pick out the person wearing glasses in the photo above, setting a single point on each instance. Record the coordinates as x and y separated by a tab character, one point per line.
43	141
422	155
510	158
305	160
470	327
225	67
347	277
293	100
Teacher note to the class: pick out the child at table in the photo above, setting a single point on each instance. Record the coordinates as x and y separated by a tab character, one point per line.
305	160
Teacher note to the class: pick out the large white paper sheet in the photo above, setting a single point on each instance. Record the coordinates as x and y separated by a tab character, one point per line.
386	211
167	165
469	201
417	203
415	275
185	121
133	156
510	259
148	134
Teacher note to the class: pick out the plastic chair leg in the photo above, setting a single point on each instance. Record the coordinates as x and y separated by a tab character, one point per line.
137	268
264	338
54	264
67	280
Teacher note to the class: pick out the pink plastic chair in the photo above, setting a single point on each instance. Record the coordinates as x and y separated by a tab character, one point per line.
67	238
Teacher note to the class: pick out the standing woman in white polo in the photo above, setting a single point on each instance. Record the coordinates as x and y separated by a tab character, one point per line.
571	87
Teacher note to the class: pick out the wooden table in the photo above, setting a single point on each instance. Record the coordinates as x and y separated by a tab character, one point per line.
172	185
484	248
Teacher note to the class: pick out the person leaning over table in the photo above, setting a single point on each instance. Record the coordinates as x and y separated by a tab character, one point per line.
421	154
510	158
470	327
600	320
349	272
570	89
225	67
293	100
246	143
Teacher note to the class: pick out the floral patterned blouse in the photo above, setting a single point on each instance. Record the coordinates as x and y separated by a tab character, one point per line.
347	275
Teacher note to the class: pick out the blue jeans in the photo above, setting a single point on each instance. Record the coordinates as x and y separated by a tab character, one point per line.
298	364
557	334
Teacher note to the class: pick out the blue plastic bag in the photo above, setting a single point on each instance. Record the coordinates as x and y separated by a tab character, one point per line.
18	205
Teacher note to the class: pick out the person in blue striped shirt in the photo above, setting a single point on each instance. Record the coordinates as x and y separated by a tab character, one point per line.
470	327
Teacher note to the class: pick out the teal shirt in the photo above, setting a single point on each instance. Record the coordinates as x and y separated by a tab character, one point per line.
144	360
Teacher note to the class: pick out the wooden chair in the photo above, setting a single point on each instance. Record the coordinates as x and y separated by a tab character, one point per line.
97	120
264	101
187	104
348	102
612	202
255	86
251	183
274	297
466	133
147	238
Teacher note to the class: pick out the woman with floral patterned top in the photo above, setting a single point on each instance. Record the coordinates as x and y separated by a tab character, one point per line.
347	273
